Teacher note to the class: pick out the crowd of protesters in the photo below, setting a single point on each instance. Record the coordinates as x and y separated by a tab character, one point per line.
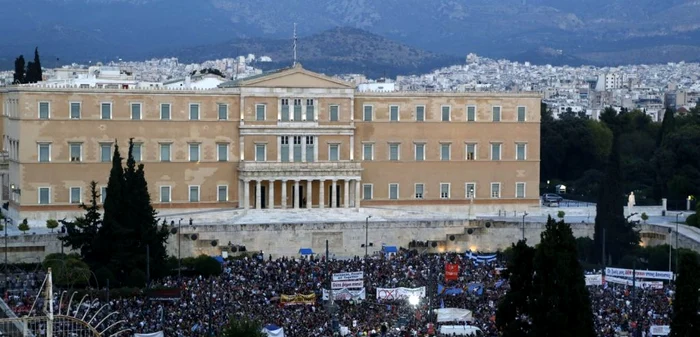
250	288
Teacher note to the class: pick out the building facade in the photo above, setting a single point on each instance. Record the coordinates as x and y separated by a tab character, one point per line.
287	139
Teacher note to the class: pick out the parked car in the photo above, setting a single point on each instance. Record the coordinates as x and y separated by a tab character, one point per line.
549	199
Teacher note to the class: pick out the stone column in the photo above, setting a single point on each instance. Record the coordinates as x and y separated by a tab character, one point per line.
322	193
271	194
246	194
296	194
309	195
334	194
346	194
258	196
357	193
284	193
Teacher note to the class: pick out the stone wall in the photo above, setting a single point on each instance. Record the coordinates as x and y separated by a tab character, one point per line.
346	239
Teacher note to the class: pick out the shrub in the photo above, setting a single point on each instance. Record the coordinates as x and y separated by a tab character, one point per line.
561	214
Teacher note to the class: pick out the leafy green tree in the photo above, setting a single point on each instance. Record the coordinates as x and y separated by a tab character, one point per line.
686	303
242	328
19	77
513	313
560	304
82	234
67	270
645	217
207	266
51	224
23	226
620	234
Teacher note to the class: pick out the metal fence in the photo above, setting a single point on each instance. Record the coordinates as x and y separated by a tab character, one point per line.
63	326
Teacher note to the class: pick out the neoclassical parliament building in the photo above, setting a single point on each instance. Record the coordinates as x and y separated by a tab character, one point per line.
285	139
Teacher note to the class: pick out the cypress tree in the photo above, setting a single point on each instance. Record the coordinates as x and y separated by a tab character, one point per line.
19	76
114	235
82	233
513	314
560	303
38	73
686	303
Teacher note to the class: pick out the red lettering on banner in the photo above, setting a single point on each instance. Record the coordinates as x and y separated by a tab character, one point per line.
451	271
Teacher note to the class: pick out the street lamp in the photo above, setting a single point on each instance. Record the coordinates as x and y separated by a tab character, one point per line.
367	234
677	215
670	230
524	215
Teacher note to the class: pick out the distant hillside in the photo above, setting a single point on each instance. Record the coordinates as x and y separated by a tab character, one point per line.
334	51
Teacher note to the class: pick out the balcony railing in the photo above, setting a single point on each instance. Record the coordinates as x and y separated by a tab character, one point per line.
253	166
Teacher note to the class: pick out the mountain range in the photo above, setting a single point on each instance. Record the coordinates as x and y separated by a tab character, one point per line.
597	32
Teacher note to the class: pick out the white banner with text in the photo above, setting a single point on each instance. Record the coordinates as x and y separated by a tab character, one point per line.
345	294
660	330
357	275
648	274
594	280
399	293
638	283
347	284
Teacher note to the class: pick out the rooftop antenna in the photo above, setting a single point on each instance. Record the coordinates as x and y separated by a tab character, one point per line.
295	45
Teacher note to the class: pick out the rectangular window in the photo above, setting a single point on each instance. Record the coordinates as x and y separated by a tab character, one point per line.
470	190
495	151
285	109
334	152
444	190
297	109
446	114
260	110
223	112
75	110
496	114
222	193
136	111
44	152
194	112
310	149
165	194
471	113
222	152
260	150
76	152
310	111
471	151
367	191
420	152
419	188
194	151
165	152
368	113
284	151
165	111
103	194
44	112
106	110
394	113
520	190
520	151
75	195
495	190
44	195
521	114
367	151
393	191
394	151
137	152
297	149
445	152
420	113
334	113
194	194
105	152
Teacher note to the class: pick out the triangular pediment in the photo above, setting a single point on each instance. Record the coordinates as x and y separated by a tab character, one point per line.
295	77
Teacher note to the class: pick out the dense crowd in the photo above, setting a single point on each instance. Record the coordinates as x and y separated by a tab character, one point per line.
251	288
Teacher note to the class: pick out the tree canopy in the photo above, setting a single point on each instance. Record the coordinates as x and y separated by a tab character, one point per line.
686	303
115	245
